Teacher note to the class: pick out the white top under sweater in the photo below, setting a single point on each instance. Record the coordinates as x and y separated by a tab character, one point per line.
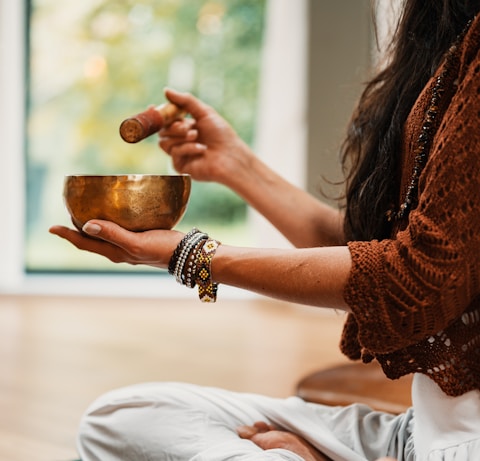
442	423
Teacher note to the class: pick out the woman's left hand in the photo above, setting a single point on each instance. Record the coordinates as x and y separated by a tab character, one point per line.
153	248
268	437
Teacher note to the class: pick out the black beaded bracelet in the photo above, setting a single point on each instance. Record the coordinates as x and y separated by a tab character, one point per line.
176	253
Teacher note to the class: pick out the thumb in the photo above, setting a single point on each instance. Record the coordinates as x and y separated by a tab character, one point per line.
108	231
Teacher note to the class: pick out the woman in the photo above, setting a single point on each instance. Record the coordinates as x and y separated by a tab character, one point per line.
403	260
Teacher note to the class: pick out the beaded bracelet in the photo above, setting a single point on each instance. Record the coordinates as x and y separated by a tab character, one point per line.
189	245
176	253
191	268
207	288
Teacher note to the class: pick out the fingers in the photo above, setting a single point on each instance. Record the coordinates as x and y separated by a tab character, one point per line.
63	232
266	438
77	238
177	147
103	233
180	128
188	102
93	245
260	427
153	247
180	139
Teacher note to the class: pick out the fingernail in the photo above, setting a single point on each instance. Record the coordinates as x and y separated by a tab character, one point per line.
91	228
192	135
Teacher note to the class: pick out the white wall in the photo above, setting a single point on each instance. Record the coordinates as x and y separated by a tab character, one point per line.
12	97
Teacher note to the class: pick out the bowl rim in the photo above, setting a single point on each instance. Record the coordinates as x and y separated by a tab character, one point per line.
127	175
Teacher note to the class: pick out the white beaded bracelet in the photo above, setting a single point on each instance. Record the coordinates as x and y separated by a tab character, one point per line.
190	244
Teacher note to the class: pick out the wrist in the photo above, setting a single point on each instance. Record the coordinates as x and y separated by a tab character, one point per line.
240	170
191	263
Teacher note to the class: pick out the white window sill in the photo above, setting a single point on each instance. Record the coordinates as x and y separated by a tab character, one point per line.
114	285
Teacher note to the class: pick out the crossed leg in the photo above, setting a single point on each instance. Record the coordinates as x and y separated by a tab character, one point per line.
178	421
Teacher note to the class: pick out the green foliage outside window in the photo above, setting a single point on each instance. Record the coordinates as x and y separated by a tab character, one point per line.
94	63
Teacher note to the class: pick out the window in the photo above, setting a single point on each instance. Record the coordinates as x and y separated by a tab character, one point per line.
22	269
95	62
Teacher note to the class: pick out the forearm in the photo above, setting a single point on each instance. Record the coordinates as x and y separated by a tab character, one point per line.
300	217
314	276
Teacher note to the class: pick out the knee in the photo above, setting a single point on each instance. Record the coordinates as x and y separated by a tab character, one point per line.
105	429
128	422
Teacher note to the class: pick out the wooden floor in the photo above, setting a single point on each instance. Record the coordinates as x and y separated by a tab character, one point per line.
58	353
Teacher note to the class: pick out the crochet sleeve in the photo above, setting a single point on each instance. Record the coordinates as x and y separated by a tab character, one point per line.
401	290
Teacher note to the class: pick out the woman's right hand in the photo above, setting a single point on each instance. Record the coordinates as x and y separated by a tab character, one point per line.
208	148
204	146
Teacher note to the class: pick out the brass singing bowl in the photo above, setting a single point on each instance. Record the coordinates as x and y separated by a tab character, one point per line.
136	202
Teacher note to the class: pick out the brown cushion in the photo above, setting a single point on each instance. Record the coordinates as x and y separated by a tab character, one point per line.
357	383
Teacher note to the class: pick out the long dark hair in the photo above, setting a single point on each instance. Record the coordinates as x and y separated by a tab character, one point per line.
372	146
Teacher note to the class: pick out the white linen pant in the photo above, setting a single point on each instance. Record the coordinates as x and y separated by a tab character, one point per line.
180	422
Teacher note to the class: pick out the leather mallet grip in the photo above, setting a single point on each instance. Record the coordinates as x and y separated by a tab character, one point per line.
148	122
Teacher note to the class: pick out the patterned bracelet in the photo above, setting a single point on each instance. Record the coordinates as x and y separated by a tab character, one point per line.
207	288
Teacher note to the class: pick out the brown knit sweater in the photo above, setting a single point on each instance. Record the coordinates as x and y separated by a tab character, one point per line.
415	298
